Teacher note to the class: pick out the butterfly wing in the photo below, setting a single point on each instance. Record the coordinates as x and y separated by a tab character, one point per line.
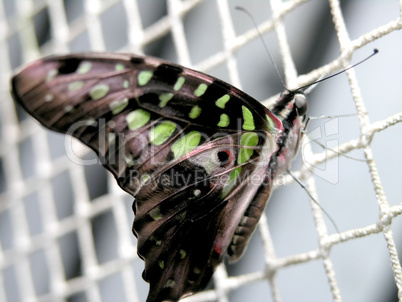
183	235
192	150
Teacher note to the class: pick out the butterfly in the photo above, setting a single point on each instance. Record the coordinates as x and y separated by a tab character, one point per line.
198	155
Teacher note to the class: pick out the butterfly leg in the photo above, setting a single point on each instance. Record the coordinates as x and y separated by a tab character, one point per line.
304	187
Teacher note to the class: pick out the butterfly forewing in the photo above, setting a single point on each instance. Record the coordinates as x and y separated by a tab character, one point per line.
194	151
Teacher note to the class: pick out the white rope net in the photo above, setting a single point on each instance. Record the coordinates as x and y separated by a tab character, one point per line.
65	228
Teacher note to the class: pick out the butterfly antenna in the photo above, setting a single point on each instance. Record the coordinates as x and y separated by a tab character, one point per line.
375	51
263	43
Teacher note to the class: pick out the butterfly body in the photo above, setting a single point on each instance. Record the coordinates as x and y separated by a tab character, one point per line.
198	155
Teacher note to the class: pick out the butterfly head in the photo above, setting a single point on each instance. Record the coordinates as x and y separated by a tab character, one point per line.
291	106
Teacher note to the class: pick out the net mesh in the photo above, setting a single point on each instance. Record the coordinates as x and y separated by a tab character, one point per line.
65	227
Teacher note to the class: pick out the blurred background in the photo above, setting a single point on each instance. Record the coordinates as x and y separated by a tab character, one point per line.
65	228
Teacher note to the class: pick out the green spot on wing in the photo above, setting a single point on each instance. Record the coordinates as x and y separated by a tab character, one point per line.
183	254
235	174
90	122
164	98
129	160
51	74
244	155
271	124
170	283
155	214
154	239
49	97
180	217
200	89
224	120
118	106
111	137
221	102
137	118
144	77
248	140
74	86
195	112
161	264
119	67
84	67
160	134
145	177
99	91
186	144
230	183
126	84
179	83
248	119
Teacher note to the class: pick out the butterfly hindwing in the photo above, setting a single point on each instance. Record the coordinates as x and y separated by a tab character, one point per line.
189	229
192	150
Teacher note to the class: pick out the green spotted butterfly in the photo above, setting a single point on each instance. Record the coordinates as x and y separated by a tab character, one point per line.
198	155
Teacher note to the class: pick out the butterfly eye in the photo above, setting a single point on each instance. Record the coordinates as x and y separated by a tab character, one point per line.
301	104
225	157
